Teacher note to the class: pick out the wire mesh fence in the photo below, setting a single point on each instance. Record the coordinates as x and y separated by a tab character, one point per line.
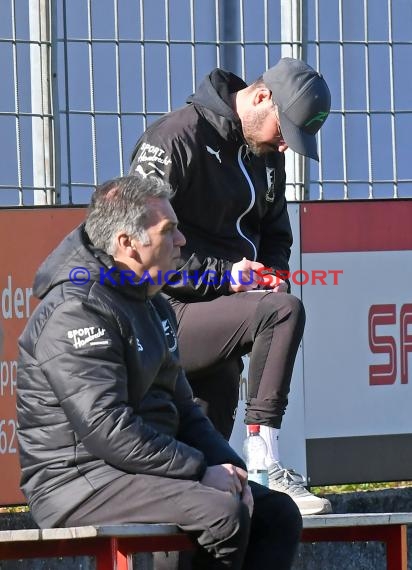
81	80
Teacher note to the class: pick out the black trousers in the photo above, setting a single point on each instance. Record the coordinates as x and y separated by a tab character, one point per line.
225	535
214	335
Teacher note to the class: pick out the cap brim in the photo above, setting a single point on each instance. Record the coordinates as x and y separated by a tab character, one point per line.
296	139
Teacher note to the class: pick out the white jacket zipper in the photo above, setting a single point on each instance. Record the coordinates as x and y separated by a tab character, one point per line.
252	202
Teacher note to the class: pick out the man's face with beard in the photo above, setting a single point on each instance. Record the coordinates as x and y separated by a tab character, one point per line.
261	128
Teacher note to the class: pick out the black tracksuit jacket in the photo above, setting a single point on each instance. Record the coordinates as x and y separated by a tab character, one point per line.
100	391
230	203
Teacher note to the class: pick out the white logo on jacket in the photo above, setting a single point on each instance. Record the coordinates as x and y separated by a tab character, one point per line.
87	336
154	156
215	153
170	335
139	169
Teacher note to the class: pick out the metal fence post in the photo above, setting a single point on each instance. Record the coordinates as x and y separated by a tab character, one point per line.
292	46
41	101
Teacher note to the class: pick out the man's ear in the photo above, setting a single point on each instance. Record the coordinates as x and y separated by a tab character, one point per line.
125	245
262	95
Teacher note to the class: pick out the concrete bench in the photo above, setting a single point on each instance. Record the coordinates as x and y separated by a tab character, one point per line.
113	545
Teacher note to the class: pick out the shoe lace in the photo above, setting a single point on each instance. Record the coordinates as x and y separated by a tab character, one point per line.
289	478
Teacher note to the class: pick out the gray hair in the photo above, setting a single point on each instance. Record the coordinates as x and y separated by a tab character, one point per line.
121	205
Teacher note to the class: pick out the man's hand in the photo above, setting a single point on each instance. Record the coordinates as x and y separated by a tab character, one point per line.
247	498
231	479
224	478
244	276
281	287
275	283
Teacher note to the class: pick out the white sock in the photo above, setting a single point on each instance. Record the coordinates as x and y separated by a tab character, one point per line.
271	437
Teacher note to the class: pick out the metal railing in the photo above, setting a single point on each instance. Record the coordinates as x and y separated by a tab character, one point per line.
83	78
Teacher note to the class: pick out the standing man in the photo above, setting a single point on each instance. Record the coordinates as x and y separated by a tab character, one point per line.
223	155
107	426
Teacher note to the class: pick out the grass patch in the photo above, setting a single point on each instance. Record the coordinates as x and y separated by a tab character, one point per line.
355	488
18	509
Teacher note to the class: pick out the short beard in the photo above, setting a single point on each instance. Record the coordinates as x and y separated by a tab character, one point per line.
251	124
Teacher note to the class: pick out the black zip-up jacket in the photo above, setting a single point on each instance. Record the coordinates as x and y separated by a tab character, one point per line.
100	391
230	203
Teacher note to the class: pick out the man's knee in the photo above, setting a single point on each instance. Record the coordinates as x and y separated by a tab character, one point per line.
277	307
296	311
295	304
235	518
286	304
230	521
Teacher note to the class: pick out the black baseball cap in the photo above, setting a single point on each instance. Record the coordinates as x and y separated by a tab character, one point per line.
303	100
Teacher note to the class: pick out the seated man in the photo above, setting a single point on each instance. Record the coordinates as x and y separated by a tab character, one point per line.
107	426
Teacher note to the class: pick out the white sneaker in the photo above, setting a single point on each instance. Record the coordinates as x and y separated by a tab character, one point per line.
290	482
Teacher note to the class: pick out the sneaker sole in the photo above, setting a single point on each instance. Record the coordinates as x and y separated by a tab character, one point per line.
324	510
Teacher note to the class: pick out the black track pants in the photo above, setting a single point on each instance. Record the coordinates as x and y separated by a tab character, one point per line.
214	335
225	535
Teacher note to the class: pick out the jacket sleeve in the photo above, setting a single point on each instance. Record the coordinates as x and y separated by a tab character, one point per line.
89	381
276	233
170	158
200	277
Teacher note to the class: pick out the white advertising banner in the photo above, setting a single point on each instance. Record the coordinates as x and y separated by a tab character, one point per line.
358	340
353	347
